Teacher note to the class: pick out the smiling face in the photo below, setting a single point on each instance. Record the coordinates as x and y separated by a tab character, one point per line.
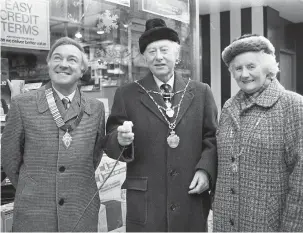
161	58
65	67
247	70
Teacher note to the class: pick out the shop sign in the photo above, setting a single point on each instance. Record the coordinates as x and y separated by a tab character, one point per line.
174	9
25	24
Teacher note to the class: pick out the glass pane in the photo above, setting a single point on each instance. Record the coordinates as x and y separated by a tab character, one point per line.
109	32
58	8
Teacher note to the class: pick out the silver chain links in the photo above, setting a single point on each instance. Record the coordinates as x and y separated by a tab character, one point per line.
171	125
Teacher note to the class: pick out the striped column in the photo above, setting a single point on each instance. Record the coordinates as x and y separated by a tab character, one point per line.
215	57
235	31
218	30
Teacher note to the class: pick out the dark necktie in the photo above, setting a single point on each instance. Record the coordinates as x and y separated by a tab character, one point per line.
166	91
65	102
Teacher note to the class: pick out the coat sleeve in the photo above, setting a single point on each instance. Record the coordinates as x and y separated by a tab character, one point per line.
209	159
12	143
117	117
98	150
293	212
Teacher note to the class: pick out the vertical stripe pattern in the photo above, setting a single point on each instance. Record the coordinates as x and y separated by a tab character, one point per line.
246	21
235	31
225	41
215	57
218	30
205	32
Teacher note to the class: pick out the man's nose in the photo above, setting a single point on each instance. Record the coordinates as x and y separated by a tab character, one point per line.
159	55
64	63
245	73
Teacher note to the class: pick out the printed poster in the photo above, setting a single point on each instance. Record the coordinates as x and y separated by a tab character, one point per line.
25	24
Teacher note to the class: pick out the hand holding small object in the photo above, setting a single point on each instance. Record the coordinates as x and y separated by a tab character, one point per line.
125	134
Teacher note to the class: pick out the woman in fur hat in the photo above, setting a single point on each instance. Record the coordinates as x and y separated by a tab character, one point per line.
260	145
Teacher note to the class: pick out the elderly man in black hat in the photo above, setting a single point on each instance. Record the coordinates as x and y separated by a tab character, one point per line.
171	149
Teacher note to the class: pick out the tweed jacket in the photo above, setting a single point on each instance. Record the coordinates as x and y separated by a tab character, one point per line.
53	184
158	177
260	162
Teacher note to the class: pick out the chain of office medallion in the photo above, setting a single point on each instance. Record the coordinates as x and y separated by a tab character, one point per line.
171	125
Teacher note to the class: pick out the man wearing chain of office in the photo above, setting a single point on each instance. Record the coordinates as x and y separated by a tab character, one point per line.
51	146
171	149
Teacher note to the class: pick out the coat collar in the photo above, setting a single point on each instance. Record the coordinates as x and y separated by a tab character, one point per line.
73	109
266	99
242	102
149	84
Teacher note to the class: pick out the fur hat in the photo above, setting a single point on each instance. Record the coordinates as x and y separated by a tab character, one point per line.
247	43
156	29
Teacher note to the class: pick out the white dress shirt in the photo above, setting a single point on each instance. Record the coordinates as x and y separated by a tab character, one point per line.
171	81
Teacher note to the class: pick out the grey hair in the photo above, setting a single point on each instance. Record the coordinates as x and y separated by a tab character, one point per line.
69	41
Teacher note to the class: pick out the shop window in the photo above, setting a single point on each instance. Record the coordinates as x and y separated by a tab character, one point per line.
109	31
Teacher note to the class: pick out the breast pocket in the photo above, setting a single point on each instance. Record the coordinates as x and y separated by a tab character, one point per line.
136	199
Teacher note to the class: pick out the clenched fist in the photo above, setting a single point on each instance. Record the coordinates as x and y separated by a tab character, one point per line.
125	134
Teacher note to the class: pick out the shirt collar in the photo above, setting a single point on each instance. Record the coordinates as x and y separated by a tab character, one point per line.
171	81
70	97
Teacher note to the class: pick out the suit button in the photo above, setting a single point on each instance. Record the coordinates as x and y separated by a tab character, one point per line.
231	222
173	173
62	169
232	191
61	201
173	207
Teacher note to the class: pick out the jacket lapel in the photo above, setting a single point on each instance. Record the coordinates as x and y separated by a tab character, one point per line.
74	107
41	100
150	85
72	111
180	85
234	112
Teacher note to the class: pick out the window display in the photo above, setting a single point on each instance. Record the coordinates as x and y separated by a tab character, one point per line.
109	32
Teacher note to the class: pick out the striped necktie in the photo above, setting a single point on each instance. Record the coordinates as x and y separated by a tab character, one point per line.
166	91
66	102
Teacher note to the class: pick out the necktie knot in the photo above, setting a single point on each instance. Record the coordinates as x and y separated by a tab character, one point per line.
65	102
166	91
166	88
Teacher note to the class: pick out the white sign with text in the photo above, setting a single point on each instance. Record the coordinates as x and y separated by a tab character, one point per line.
25	24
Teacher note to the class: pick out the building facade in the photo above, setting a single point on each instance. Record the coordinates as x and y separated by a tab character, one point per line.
219	28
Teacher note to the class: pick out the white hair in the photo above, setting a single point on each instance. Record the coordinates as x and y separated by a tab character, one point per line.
268	63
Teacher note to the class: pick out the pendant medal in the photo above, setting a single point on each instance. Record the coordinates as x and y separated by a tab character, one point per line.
169	112
67	139
168	104
173	139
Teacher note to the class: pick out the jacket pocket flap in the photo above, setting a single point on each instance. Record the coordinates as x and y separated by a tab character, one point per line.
135	183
